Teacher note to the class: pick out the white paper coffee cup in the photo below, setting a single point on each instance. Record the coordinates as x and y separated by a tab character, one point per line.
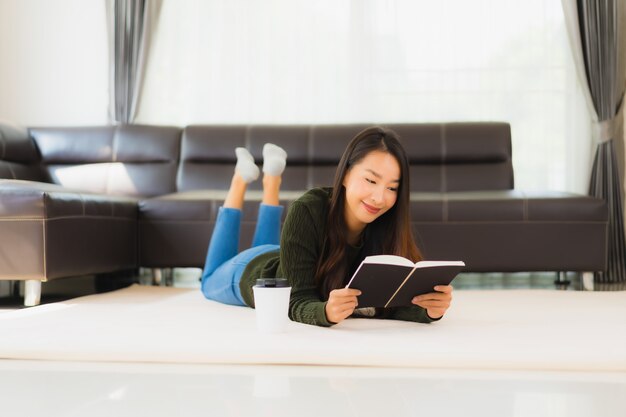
271	302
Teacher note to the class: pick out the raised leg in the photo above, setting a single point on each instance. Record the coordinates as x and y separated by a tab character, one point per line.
274	163
245	172
236	192
271	189
224	243
267	230
32	293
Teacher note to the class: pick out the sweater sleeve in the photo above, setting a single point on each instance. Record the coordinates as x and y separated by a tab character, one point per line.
411	313
299	252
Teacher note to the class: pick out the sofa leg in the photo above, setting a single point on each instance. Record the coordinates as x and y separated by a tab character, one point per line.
587	281
169	277
163	277
15	288
32	293
561	281
157	275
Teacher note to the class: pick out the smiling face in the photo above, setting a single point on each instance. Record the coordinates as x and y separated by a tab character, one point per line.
371	190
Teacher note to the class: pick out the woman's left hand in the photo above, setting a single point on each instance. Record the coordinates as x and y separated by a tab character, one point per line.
435	303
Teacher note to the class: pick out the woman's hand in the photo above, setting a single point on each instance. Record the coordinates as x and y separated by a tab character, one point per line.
341	304
435	303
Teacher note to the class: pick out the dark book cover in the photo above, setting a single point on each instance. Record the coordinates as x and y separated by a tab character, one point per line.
423	281
378	283
384	282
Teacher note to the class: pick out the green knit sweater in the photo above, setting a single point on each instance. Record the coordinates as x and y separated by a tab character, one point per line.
300	248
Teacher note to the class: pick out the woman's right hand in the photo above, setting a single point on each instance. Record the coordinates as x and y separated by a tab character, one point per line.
341	304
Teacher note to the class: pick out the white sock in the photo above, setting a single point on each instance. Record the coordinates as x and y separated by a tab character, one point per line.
274	159
246	167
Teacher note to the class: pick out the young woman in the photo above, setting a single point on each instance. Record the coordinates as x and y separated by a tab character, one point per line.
326	235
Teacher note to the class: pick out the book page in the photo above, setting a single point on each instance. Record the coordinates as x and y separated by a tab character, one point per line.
430	264
389	260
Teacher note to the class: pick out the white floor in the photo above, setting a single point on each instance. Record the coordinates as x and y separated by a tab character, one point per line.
56	388
32	389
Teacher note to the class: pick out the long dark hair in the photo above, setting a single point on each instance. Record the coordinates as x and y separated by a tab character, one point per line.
390	234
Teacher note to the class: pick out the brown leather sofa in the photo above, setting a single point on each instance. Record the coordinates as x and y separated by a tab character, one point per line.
90	200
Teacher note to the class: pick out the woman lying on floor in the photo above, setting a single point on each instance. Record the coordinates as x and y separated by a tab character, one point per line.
326	235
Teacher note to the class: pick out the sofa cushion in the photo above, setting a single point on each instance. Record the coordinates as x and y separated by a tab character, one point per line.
443	156
48	231
208	155
175	229
19	158
131	160
503	206
512	230
490	230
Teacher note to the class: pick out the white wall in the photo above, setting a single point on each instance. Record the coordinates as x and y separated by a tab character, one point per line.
53	62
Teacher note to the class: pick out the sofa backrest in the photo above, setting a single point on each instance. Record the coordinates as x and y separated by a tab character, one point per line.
19	159
132	160
139	160
443	156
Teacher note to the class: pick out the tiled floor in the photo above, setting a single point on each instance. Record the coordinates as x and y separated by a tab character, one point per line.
92	389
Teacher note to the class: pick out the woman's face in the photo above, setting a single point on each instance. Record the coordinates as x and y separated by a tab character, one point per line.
371	189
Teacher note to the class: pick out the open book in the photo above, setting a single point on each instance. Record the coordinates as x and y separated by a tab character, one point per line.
392	281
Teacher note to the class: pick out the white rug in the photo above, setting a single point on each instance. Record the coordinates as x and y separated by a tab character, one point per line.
512	329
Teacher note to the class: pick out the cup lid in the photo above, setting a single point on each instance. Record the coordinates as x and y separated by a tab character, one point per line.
272	282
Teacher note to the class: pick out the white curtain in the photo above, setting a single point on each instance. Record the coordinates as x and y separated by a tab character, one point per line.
342	61
598	38
131	26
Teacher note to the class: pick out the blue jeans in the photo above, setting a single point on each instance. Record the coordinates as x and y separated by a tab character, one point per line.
223	266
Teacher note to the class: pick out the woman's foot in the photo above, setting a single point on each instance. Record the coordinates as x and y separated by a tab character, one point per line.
246	168
274	160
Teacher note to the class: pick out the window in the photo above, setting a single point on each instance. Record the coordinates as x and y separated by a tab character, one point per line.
342	61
